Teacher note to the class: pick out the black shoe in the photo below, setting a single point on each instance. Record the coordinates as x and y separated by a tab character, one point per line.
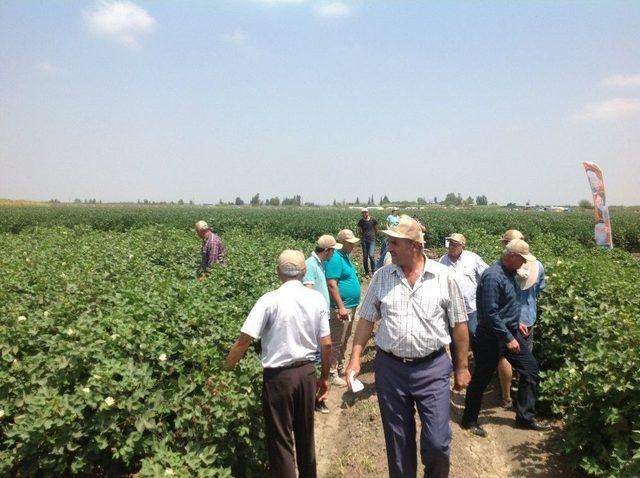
474	428
321	407
533	425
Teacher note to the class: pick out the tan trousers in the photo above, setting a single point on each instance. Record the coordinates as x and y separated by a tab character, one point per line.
340	333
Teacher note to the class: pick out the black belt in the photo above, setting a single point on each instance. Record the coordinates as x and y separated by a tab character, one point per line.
291	365
416	360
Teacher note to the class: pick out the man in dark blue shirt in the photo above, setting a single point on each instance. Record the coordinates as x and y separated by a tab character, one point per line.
500	334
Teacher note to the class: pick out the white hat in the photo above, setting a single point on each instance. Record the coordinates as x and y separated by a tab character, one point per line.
291	263
327	241
407	228
201	226
347	235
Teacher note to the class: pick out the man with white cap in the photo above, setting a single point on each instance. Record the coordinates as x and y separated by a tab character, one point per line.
344	295
468	267
291	321
212	249
315	279
500	334
415	300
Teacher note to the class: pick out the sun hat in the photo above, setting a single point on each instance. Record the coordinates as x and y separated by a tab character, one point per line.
527	275
347	235
521	248
456	237
512	234
364	209
291	263
327	241
201	226
407	228
394	209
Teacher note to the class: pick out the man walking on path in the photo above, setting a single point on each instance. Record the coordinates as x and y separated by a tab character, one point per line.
344	294
315	279
212	250
368	229
467	266
500	334
416	300
392	221
291	321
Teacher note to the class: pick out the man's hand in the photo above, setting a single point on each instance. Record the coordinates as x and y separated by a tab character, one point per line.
513	346
461	377
354	366
343	314
524	330
322	389
201	277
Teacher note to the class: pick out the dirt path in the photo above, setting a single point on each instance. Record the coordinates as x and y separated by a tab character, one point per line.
350	441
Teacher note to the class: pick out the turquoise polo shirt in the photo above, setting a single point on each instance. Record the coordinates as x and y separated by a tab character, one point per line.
315	276
339	267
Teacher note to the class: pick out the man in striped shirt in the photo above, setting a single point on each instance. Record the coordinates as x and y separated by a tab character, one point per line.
415	300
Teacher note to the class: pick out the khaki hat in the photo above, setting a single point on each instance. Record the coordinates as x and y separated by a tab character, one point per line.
364	209
407	228
394	209
459	238
347	235
521	248
201	226
512	234
291	263
327	241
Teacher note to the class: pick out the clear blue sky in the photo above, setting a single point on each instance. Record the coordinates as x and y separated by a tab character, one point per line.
332	100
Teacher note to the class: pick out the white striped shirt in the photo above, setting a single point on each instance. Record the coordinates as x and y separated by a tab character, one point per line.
414	321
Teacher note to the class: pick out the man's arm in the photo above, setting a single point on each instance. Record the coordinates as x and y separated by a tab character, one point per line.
237	351
325	354
460	336
332	284
360	339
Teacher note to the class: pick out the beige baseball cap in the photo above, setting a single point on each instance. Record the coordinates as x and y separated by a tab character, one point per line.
456	237
291	263
407	228
201	226
364	209
347	235
518	246
327	241
512	234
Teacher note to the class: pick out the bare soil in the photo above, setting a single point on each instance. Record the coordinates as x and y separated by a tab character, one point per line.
350	440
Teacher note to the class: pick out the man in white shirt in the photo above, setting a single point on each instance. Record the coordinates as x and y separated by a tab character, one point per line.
415	300
291	321
467	267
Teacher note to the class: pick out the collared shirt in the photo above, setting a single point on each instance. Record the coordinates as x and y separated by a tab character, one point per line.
414	321
340	268
392	221
467	269
315	276
290	320
527	298
497	301
212	251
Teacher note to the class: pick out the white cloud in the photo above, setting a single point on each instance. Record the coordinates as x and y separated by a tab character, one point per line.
238	37
622	80
332	10
609	109
50	69
121	21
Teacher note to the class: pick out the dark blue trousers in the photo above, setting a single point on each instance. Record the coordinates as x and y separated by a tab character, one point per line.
488	351
368	255
402	388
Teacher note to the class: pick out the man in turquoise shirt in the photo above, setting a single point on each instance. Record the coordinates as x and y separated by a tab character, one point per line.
344	294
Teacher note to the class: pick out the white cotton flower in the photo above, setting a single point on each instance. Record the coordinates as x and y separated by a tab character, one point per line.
559	262
97	377
22	318
63	275
46	314
575	317
130	256
162	357
553	274
28	260
86	389
70	331
114	336
109	401
1	413
169	472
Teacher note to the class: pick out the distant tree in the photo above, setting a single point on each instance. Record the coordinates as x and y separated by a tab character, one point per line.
511	204
239	202
384	200
335	203
469	201
452	200
435	199
77	200
357	200
273	201
255	200
481	200
585	204
294	201
180	202
421	200
190	202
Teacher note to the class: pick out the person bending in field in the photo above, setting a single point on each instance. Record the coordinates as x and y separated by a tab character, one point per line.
292	322
212	250
500	334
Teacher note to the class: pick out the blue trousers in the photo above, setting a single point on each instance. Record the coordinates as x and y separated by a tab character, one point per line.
368	248
402	388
